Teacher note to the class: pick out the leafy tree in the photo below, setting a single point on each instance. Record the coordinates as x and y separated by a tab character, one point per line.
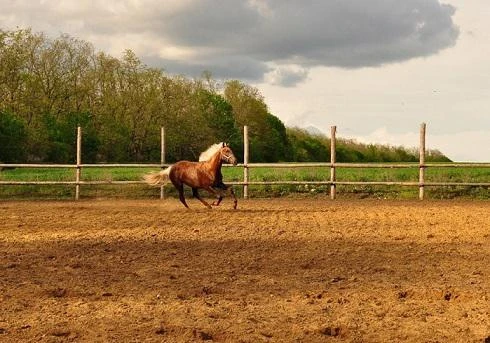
219	118
50	86
344	154
267	134
61	137
277	146
435	155
306	147
12	138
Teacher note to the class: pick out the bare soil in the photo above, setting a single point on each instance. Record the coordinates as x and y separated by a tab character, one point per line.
281	270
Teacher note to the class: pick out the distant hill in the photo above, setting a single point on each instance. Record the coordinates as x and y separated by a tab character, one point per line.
314	130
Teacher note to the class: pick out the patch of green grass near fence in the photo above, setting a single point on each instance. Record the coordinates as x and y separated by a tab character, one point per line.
256	174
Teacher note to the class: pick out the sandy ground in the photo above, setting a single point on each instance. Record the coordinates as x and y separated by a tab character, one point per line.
287	270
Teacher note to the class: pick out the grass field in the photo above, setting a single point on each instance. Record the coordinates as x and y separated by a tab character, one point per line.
256	174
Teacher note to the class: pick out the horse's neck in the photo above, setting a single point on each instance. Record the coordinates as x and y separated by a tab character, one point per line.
214	163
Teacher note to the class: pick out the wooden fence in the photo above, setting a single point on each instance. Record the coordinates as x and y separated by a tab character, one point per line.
333	165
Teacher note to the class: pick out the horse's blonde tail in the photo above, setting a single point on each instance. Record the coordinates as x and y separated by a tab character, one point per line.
158	178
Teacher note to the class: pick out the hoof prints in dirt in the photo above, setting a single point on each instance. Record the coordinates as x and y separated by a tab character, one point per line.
332	331
161	331
202	335
57	292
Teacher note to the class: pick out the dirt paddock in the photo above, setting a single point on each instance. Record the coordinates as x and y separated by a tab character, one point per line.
287	270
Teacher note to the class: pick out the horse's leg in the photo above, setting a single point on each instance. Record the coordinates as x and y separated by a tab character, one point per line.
217	202
195	193
220	188
224	188
216	194
219	194
180	188
232	193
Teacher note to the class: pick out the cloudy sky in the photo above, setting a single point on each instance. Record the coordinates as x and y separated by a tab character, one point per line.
376	68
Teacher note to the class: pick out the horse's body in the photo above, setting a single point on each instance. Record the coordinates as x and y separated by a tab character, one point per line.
205	174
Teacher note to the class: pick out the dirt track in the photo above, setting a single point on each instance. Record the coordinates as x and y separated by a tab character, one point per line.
274	270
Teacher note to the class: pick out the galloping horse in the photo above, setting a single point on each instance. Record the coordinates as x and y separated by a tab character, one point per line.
205	174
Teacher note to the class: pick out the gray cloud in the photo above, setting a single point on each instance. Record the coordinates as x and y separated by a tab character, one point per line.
248	39
286	76
240	67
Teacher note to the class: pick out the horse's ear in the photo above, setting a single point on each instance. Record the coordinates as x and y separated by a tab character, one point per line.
223	145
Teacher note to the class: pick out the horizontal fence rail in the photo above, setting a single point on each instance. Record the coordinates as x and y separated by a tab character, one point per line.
257	165
242	183
332	182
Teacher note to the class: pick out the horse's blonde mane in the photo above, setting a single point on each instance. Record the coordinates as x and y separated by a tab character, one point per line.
213	149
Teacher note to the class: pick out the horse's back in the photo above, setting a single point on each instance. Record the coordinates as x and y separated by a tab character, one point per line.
185	164
190	173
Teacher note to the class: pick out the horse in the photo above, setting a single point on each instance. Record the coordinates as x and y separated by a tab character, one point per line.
205	174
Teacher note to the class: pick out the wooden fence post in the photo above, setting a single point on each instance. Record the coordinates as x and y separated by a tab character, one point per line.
162	158
245	162
422	161
79	162
333	190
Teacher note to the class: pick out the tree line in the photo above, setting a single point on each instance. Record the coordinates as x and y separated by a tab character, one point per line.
48	87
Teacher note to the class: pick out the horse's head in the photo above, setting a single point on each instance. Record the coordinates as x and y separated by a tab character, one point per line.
227	155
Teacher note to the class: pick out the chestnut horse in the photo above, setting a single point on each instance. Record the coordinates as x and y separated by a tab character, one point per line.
205	174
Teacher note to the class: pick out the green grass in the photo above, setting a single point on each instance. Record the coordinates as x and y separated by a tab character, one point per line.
256	174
